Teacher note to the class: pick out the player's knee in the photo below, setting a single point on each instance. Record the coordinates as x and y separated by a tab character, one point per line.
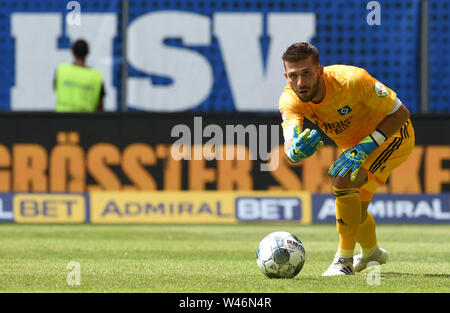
345	182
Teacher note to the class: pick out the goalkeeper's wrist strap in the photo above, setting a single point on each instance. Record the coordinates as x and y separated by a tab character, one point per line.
378	137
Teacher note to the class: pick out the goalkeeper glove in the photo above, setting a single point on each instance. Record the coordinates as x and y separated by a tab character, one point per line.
304	144
355	157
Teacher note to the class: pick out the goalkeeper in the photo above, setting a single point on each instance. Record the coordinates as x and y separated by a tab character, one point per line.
367	121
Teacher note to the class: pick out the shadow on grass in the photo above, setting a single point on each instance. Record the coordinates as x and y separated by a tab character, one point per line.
394	275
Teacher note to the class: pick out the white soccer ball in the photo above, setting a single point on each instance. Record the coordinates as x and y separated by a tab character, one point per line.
280	255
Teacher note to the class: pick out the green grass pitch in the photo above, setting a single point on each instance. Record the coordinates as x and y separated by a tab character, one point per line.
208	259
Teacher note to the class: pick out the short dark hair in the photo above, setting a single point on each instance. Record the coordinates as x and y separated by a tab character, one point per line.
80	49
300	51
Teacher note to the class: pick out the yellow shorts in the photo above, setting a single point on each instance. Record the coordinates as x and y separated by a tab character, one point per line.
386	158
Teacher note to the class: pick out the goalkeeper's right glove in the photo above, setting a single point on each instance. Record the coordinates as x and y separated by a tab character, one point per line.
304	144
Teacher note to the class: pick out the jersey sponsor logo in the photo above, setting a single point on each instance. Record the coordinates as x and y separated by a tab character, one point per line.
380	90
336	127
345	110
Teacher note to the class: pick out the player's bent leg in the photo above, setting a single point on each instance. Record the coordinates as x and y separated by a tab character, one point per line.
348	218
367	235
345	182
379	166
348	211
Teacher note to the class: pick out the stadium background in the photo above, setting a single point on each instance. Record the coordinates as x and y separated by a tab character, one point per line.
116	167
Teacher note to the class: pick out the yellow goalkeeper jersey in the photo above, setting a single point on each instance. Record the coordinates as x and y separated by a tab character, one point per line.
354	104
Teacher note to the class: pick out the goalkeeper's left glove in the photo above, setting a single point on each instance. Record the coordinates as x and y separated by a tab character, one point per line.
355	157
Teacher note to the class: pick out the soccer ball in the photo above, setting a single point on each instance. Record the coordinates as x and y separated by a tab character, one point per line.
280	255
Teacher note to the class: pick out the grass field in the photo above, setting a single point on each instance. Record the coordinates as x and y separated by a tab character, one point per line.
208	259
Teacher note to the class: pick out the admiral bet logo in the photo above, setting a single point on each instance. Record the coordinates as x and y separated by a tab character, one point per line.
388	208
268	209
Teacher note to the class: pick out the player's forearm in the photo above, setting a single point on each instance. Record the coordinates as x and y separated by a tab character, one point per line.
392	123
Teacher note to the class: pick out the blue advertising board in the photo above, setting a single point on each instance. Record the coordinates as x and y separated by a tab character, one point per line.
391	208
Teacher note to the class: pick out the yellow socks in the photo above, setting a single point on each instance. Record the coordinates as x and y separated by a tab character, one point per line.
349	225
348	219
345	253
367	237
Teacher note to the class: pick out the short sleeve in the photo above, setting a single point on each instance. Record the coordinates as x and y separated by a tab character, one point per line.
374	94
289	115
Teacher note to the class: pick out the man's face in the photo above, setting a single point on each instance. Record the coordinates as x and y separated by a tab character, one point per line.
303	77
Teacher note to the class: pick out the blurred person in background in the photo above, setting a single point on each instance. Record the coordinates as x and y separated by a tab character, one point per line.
367	121
78	88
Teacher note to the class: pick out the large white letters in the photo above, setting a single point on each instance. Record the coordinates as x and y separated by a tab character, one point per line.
190	72
253	88
35	60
